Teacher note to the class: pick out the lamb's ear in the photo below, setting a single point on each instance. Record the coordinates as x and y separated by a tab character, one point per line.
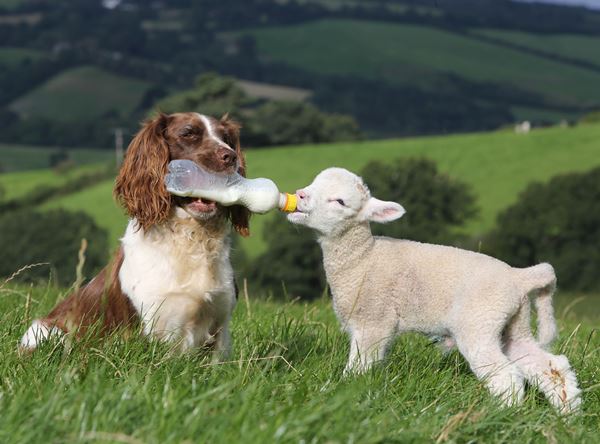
376	210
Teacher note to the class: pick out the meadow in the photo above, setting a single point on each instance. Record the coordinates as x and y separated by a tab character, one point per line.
496	165
385	51
283	383
81	93
579	47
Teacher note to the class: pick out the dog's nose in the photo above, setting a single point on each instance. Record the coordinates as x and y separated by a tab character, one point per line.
227	156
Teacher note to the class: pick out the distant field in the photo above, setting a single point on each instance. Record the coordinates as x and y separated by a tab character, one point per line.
386	51
81	93
14	56
22	157
497	165
98	202
584	48
19	184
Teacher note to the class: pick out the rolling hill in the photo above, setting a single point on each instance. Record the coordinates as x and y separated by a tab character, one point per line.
390	52
578	47
496	165
81	93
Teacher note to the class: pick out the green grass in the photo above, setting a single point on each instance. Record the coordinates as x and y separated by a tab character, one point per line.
22	157
496	165
81	93
283	383
12	57
579	47
97	201
19	184
387	51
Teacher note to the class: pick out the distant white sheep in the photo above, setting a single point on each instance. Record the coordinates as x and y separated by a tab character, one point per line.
383	286
523	127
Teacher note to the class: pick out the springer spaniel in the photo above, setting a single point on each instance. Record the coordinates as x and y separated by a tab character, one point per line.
172	271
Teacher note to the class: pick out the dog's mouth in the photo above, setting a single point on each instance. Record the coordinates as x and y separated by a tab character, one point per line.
199	205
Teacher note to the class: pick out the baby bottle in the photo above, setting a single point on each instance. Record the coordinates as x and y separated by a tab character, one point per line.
187	178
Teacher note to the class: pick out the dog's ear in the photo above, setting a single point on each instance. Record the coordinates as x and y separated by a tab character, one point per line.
239	215
140	186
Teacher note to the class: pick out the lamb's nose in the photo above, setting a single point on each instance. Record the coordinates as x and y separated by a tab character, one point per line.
227	156
301	194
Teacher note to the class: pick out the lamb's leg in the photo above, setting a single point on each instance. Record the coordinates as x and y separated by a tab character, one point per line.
502	377
551	373
367	346
222	346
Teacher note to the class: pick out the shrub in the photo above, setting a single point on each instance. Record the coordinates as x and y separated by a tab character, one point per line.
435	205
292	264
29	237
556	222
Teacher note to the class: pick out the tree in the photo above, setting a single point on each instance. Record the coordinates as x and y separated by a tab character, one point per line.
268	123
291	264
54	237
435	203
556	222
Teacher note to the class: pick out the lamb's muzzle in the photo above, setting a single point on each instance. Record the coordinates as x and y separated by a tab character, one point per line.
383	286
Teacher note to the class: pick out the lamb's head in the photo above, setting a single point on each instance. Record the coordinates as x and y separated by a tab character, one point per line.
337	200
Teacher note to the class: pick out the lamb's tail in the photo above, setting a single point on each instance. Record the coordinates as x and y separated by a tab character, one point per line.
539	282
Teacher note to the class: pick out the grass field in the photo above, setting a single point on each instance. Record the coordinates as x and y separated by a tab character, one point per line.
14	56
385	51
584	48
81	93
25	158
283	383
496	165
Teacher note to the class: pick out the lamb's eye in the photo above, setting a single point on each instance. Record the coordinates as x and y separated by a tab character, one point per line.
341	202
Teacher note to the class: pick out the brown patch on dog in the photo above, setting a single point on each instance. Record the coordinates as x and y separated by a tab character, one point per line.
101	302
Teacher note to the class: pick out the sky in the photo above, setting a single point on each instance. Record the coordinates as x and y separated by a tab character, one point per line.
594	4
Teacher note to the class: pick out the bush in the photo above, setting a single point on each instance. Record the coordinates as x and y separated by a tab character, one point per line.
292	264
556	222
435	205
29	237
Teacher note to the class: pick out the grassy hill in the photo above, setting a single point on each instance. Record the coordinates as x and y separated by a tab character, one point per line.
388	51
22	157
579	47
497	165
81	93
11	57
283	383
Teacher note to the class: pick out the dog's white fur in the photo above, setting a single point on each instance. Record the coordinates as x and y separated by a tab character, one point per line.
180	281
383	286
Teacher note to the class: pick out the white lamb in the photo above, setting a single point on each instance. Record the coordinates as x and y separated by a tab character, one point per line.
383	286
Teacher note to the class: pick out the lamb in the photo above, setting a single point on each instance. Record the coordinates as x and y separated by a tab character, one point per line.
382	287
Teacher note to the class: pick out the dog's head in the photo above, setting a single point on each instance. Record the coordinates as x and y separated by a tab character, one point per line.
212	143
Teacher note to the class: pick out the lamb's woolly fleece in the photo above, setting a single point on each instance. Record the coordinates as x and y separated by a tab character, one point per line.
383	286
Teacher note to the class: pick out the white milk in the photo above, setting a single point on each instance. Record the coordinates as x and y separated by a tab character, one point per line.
187	178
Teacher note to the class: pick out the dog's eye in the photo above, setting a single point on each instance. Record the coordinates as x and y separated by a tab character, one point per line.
188	131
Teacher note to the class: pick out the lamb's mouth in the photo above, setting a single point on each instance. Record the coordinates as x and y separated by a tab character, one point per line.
297	216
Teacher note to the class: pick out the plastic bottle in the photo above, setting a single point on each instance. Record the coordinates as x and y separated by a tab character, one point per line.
187	178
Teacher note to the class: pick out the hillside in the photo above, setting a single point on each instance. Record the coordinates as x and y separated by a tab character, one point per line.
497	166
577	47
22	157
388	51
81	93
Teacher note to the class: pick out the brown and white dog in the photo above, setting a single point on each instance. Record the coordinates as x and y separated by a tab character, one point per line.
172	271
